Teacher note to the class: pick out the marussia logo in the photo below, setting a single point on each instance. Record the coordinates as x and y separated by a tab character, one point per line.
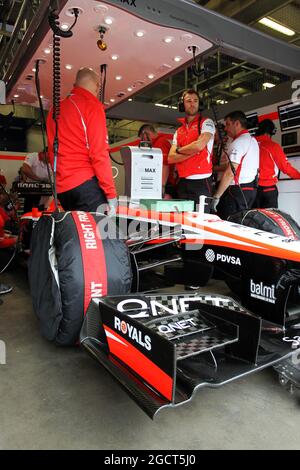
262	292
211	257
133	333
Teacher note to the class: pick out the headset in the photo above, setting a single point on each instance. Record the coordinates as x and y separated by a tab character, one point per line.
191	91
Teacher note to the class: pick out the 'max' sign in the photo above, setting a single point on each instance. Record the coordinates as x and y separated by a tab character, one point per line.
131	3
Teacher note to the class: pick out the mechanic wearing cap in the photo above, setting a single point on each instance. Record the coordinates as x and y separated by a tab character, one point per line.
84	173
237	188
192	150
271	159
147	133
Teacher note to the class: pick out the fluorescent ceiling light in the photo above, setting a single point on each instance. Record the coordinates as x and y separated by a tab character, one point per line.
277	26
268	85
68	66
161	105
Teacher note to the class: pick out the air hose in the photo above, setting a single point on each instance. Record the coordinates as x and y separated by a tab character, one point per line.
57	34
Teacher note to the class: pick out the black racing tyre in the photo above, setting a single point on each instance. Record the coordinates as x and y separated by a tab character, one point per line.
72	261
269	220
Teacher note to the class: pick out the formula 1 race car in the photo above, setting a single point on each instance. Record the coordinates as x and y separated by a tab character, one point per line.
86	270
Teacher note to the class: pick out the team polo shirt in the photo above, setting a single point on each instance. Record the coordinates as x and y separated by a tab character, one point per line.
83	144
188	133
244	151
38	166
272	159
164	145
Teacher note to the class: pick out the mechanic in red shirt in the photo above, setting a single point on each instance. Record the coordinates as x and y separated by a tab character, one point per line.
148	133
192	150
271	159
84	175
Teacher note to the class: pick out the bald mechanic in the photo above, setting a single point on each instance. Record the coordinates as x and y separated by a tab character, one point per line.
84	174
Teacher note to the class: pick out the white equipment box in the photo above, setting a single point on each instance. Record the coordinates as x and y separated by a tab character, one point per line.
143	172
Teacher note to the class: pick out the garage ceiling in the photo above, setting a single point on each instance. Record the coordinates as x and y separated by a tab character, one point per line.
230	78
227	78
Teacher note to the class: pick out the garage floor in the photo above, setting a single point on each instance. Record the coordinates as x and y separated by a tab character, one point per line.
59	398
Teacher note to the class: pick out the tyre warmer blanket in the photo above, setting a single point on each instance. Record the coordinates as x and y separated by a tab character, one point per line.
70	264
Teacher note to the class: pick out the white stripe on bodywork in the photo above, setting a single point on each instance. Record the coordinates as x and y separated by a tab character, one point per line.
111	336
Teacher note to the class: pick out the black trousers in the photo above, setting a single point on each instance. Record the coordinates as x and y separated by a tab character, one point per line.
193	189
236	198
267	197
87	197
